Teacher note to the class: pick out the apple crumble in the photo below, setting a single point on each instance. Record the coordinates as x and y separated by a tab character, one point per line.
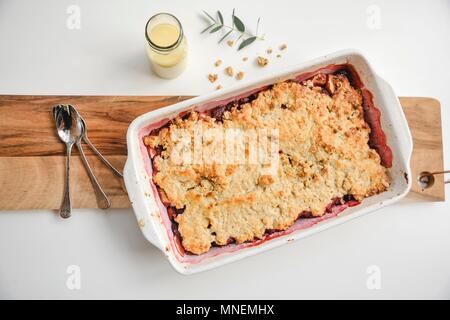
324	156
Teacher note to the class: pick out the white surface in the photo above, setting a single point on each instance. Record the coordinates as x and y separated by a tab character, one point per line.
409	242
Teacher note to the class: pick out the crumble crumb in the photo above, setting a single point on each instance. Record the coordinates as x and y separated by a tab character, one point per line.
230	43
212	77
269	50
283	46
219	87
240	75
229	71
218	63
278	55
262	61
244	58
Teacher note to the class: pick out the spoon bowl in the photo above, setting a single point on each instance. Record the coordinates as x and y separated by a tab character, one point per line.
425	180
68	128
70	132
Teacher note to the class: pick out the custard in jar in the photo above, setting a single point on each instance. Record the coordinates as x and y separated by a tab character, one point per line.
166	46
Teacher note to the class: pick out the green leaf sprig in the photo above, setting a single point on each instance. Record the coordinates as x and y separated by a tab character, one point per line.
237	26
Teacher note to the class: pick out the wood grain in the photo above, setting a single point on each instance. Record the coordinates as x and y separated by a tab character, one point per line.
424	120
38	182
32	157
27	127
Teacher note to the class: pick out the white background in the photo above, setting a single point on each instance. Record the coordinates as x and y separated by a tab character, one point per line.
409	242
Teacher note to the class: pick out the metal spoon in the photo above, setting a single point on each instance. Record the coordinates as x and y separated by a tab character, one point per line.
89	143
426	179
102	200
69	133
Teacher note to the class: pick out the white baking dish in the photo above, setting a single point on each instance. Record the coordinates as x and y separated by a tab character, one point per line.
152	216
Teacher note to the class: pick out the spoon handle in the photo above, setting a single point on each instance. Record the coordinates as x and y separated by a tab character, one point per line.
66	206
102	200
105	161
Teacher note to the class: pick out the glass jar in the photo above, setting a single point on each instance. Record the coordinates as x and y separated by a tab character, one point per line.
166	46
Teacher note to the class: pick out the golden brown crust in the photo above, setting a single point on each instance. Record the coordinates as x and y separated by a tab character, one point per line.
324	154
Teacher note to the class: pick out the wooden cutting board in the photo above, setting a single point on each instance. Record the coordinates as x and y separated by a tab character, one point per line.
32	164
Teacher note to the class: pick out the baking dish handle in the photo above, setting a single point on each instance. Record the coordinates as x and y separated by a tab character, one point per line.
141	204
407	142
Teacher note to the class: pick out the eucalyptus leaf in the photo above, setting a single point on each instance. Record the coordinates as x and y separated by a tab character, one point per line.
226	35
207	28
246	42
239	24
237	28
209	16
220	17
216	29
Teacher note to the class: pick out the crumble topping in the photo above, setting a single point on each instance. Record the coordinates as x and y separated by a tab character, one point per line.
262	61
229	70
323	155
212	77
